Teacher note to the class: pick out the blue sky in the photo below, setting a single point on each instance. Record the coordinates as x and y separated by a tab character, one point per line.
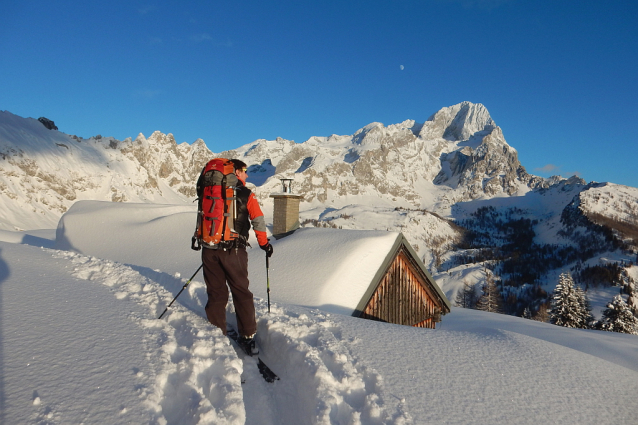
559	77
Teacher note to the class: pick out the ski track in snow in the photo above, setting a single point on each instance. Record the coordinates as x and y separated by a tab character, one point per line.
199	373
198	380
333	383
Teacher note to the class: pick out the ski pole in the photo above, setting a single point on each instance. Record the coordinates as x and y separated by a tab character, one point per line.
184	287
268	281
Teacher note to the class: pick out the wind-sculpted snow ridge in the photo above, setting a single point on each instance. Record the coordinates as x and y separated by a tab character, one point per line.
334	386
198	380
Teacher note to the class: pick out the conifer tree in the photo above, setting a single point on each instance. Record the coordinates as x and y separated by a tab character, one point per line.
491	299
570	307
618	317
587	319
466	297
542	315
632	299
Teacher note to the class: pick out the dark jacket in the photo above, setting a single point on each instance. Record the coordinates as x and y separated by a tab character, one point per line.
249	211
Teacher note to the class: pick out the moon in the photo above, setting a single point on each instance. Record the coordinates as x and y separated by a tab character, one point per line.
402	67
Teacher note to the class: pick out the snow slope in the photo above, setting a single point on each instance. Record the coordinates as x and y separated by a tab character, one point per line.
80	343
612	200
43	172
111	361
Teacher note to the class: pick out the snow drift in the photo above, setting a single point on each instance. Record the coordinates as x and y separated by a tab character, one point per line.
104	356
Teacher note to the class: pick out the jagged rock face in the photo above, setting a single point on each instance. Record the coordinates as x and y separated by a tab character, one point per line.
458	154
164	160
490	168
458	148
370	162
43	172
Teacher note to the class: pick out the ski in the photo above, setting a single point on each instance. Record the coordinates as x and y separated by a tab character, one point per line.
265	371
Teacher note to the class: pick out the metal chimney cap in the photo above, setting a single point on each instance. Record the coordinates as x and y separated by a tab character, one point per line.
286	185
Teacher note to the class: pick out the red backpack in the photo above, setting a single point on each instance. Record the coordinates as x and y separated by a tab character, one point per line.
216	211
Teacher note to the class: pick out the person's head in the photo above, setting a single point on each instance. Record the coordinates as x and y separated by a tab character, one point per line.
240	169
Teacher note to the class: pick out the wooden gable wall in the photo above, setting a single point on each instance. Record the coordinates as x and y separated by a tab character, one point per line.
404	296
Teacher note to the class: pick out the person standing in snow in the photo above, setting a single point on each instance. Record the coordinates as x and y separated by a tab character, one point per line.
230	266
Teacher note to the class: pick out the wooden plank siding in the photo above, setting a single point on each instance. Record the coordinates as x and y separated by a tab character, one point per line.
403	296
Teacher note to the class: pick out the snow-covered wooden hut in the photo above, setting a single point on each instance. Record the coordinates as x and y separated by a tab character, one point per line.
365	273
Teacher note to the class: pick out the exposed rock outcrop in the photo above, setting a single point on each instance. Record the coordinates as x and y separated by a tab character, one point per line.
48	123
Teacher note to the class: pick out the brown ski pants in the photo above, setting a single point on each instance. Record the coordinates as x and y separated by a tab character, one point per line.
229	266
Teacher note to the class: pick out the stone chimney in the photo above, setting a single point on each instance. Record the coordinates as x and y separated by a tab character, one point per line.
286	210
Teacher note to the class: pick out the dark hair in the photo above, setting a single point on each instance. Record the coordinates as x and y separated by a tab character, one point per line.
239	164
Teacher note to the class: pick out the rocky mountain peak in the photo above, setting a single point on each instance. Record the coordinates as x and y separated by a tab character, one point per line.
459	147
163	139
410	164
458	122
489	168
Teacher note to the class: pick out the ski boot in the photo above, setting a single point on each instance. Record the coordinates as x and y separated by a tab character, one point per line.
248	344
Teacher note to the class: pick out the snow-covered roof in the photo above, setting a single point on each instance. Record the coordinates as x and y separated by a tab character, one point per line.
335	270
157	236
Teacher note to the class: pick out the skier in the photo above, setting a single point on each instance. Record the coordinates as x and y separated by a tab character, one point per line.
228	263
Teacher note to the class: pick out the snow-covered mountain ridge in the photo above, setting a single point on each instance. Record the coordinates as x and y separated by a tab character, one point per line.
458	154
424	179
43	172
